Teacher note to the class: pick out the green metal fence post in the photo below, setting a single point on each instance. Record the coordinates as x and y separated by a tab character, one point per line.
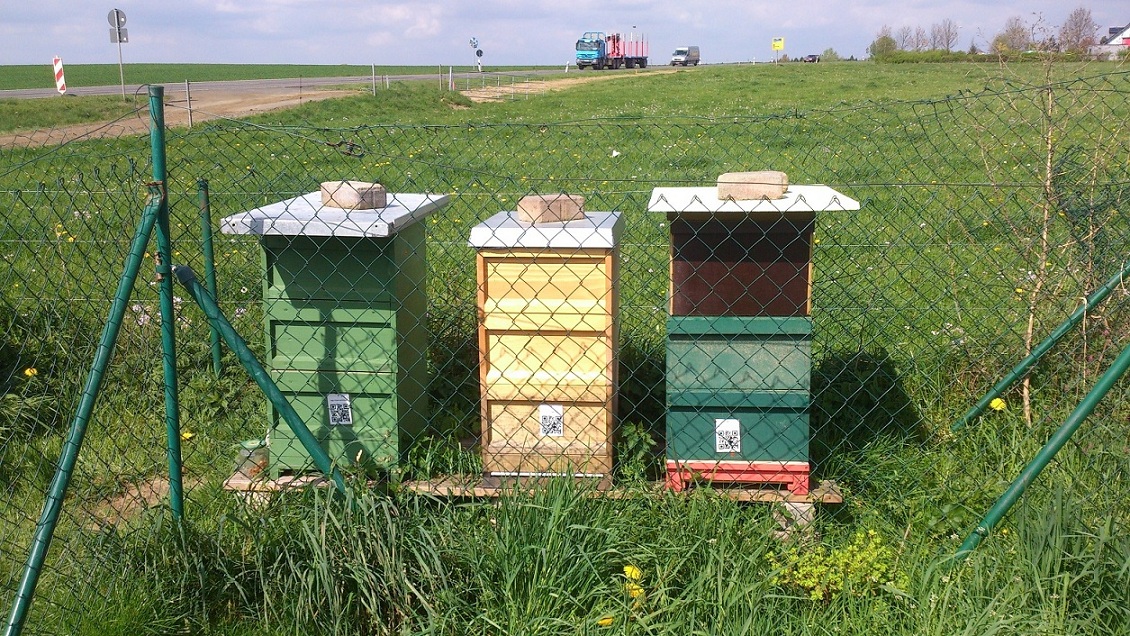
1053	446
237	345
168	311
48	519
1021	369
209	265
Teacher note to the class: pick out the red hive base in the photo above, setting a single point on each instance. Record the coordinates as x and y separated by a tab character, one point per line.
794	475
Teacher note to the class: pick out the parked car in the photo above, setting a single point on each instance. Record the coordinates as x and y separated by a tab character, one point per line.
811	58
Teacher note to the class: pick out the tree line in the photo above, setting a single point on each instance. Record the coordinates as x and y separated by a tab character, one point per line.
1075	36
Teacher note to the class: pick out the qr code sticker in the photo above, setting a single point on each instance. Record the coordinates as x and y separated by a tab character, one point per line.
552	419
727	436
341	414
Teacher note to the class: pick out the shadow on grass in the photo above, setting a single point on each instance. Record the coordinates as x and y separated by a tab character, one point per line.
858	398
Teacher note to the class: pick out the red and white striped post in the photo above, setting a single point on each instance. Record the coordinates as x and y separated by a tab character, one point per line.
60	83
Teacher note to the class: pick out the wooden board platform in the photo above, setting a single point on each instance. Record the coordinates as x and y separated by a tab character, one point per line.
491	487
488	487
241	482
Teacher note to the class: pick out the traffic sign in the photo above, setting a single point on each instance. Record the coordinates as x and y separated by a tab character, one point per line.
778	44
116	18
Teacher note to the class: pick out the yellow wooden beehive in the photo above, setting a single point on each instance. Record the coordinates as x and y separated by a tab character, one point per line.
547	300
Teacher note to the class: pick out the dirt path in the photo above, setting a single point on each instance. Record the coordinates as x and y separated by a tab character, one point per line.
509	91
206	106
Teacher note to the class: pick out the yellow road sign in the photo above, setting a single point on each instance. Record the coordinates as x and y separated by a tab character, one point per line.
778	44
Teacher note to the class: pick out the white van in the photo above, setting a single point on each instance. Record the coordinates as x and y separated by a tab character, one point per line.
685	56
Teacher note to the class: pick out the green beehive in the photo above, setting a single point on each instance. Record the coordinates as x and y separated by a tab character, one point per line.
739	339
344	318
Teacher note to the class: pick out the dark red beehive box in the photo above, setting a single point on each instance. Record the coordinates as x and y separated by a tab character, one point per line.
741	268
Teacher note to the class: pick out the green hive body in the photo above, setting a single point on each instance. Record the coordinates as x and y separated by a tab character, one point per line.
345	325
346	316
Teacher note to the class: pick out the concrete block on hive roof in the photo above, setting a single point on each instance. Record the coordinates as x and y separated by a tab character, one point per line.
752	186
551	208
354	195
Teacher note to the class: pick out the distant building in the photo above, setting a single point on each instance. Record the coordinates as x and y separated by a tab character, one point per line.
1110	47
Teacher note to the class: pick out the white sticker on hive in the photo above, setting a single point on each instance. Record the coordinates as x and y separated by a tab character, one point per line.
341	413
727	436
552	420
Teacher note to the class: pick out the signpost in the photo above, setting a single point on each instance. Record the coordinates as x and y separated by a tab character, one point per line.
778	45
119	36
478	54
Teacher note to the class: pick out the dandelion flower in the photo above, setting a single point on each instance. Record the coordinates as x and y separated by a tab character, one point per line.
605	621
187	435
997	404
31	372
632	585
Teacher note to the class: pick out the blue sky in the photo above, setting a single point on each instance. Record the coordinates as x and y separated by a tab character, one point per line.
509	31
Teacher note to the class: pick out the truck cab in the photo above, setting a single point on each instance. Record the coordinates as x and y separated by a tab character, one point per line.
591	50
685	56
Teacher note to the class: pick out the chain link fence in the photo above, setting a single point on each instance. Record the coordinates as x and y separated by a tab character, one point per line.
818	349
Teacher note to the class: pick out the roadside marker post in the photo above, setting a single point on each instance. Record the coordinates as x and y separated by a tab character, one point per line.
60	82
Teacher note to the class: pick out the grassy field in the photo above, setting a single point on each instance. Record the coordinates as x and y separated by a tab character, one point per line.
701	91
39	114
921	300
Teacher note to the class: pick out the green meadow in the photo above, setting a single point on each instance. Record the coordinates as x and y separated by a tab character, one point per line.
992	199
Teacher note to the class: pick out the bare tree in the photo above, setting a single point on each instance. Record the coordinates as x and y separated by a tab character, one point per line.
1016	36
935	37
905	38
946	34
921	41
1078	32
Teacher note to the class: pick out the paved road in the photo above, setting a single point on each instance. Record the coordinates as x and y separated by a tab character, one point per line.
255	86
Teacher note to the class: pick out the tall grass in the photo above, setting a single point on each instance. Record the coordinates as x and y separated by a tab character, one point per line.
552	562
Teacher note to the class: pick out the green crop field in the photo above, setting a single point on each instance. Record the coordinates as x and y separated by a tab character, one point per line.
86	75
993	200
